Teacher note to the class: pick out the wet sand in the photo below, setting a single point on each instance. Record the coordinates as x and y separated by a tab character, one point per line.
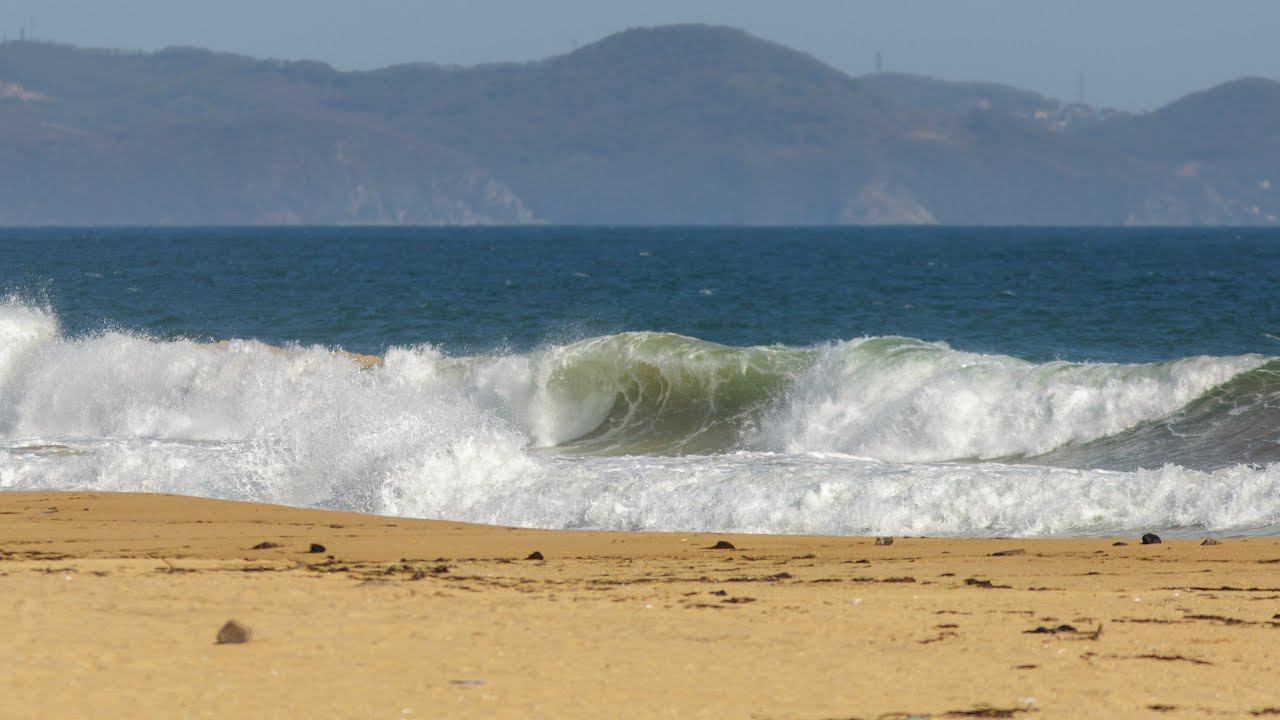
111	603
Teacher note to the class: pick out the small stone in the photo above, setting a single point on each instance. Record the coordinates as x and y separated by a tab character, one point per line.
1119	543
316	548
1210	541
1008	553
1150	539
535	555
233	633
722	545
884	541
264	545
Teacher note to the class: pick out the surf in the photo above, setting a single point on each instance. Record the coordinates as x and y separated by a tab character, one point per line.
646	430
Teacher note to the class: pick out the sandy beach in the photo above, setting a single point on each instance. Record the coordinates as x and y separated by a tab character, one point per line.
112	602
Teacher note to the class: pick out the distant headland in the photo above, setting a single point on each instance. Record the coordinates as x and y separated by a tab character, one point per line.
686	124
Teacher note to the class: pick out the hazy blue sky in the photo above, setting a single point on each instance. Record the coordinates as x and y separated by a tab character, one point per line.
1134	54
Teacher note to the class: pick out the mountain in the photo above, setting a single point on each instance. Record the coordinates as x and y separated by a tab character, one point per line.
952	101
681	124
191	137
1216	154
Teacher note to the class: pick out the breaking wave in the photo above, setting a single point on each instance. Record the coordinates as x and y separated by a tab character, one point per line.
652	431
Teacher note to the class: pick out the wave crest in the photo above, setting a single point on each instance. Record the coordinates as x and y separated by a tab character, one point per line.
906	400
651	431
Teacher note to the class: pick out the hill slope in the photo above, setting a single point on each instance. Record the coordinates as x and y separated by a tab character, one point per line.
679	124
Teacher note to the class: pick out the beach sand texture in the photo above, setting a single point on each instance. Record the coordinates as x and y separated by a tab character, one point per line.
111	603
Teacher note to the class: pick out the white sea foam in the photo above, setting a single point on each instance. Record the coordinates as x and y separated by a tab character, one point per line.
780	493
303	427
825	440
906	400
23	329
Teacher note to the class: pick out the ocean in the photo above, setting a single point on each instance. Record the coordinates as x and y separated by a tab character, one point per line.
936	381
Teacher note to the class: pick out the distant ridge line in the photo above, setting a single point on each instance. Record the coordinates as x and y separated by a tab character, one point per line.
669	125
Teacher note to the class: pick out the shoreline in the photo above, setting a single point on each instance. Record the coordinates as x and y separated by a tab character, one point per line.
114	600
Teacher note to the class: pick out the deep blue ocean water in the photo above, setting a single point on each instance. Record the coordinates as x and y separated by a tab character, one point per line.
1124	295
970	381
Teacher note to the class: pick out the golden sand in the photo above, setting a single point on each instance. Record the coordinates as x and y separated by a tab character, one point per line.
110	607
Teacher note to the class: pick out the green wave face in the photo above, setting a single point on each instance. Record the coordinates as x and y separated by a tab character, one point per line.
659	393
898	400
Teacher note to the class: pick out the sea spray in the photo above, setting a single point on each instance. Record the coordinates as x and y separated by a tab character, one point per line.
305	426
900	399
642	431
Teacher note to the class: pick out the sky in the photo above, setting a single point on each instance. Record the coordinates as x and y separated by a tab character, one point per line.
1130	54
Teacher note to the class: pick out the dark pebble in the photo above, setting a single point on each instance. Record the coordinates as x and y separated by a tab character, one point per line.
233	633
1150	539
1119	543
264	546
1210	541
722	545
535	555
316	548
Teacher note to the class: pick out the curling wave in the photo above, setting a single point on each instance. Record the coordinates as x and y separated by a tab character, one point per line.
652	430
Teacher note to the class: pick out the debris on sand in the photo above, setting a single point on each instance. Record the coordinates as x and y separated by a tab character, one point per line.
1172	658
985	711
987	584
1042	630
